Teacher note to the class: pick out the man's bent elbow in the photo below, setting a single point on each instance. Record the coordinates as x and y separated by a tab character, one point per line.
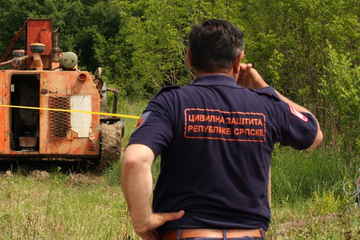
318	139
137	154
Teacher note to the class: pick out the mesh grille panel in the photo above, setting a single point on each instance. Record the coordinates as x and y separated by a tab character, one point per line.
59	121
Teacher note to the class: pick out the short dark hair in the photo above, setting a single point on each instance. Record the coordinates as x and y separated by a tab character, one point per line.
214	45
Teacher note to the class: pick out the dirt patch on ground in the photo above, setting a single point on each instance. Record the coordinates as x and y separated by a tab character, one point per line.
76	179
322	222
39	175
79	180
301	223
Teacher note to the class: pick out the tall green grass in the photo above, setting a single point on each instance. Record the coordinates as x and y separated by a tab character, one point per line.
308	201
61	207
132	108
125	107
298	175
307	198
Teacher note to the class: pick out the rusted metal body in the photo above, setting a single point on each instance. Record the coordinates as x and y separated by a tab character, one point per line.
37	80
60	133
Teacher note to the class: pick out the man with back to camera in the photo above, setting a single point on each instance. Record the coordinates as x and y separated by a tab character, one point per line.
215	139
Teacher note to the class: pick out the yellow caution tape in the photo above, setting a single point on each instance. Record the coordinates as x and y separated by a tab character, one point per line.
67	110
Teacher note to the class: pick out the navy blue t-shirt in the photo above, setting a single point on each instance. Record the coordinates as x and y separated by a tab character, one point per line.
215	139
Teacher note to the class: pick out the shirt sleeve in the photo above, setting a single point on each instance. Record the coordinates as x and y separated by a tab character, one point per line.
154	128
300	129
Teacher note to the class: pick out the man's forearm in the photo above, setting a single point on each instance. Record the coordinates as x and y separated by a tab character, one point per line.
296	106
250	78
136	182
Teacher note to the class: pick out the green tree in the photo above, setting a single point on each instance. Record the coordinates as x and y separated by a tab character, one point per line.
157	34
340	88
305	49
287	41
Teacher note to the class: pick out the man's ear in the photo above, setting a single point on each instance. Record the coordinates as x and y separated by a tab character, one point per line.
188	55
237	62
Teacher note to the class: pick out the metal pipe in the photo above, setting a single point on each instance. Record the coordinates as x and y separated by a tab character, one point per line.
37	61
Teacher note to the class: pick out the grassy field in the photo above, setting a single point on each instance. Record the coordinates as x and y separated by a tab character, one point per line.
61	207
307	199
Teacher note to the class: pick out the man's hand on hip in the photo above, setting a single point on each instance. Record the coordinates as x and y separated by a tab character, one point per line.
147	230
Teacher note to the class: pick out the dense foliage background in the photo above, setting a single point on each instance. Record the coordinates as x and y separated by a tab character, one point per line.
309	50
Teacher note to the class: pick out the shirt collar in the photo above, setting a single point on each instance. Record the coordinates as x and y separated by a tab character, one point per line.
216	79
224	80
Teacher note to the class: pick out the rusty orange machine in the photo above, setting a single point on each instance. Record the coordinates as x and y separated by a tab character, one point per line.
45	103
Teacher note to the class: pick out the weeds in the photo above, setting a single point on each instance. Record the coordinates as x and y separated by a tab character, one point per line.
54	209
86	206
307	199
